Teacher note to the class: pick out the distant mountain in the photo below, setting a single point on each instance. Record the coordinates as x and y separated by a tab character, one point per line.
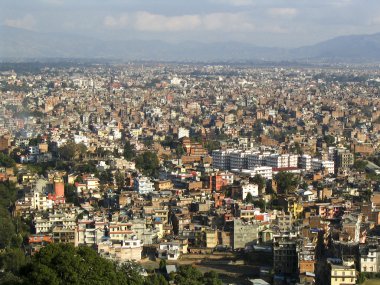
18	44
353	48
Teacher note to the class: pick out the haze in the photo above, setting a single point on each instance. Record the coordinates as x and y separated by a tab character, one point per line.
261	22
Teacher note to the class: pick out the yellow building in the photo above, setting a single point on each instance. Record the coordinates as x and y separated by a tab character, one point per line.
343	275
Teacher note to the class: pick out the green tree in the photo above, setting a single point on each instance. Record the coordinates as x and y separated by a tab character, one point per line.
189	275
148	163
65	264
360	165
260	181
7	229
72	151
286	182
180	150
129	152
120	179
156	279
249	198
329	140
12	259
6	161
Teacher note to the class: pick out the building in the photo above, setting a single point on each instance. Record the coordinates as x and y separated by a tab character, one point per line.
370	260
343	159
342	275
305	162
221	159
285	261
169	250
244	233
143	185
251	188
121	252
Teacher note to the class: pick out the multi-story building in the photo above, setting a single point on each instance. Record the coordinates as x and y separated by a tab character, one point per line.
370	260
305	162
245	233
239	159
251	188
221	159
342	275
285	260
121	252
169	250
143	185
343	159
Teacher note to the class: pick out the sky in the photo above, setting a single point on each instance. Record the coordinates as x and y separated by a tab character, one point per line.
272	23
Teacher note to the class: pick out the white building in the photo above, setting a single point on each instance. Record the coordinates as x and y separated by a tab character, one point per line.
143	185
371	261
265	171
182	132
238	159
328	165
250	188
169	250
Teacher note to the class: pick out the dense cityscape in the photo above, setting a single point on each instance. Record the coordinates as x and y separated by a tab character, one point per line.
189	174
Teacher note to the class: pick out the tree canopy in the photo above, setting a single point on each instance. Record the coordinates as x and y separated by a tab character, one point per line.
59	264
286	182
72	151
148	163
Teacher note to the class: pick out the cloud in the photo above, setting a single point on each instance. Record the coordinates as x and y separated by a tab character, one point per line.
227	21
374	21
235	2
52	2
148	22
282	12
119	22
145	21
27	22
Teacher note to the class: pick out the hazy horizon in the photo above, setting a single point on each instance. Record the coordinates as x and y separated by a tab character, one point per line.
282	23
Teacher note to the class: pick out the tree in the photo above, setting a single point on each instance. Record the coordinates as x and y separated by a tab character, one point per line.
286	182
162	265
260	181
360	165
12	259
120	179
249	198
329	140
180	150
65	264
72	151
6	161
7	229
129	152
189	275
148	163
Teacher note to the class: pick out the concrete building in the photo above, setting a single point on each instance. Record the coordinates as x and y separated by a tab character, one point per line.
126	250
342	275
285	261
305	162
251	188
169	250
244	233
221	159
370	260
143	185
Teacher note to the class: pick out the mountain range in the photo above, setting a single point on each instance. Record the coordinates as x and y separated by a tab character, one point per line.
19	44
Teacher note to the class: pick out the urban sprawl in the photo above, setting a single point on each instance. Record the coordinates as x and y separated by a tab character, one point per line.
274	172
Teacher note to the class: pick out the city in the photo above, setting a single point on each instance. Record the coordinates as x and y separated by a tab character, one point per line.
263	175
